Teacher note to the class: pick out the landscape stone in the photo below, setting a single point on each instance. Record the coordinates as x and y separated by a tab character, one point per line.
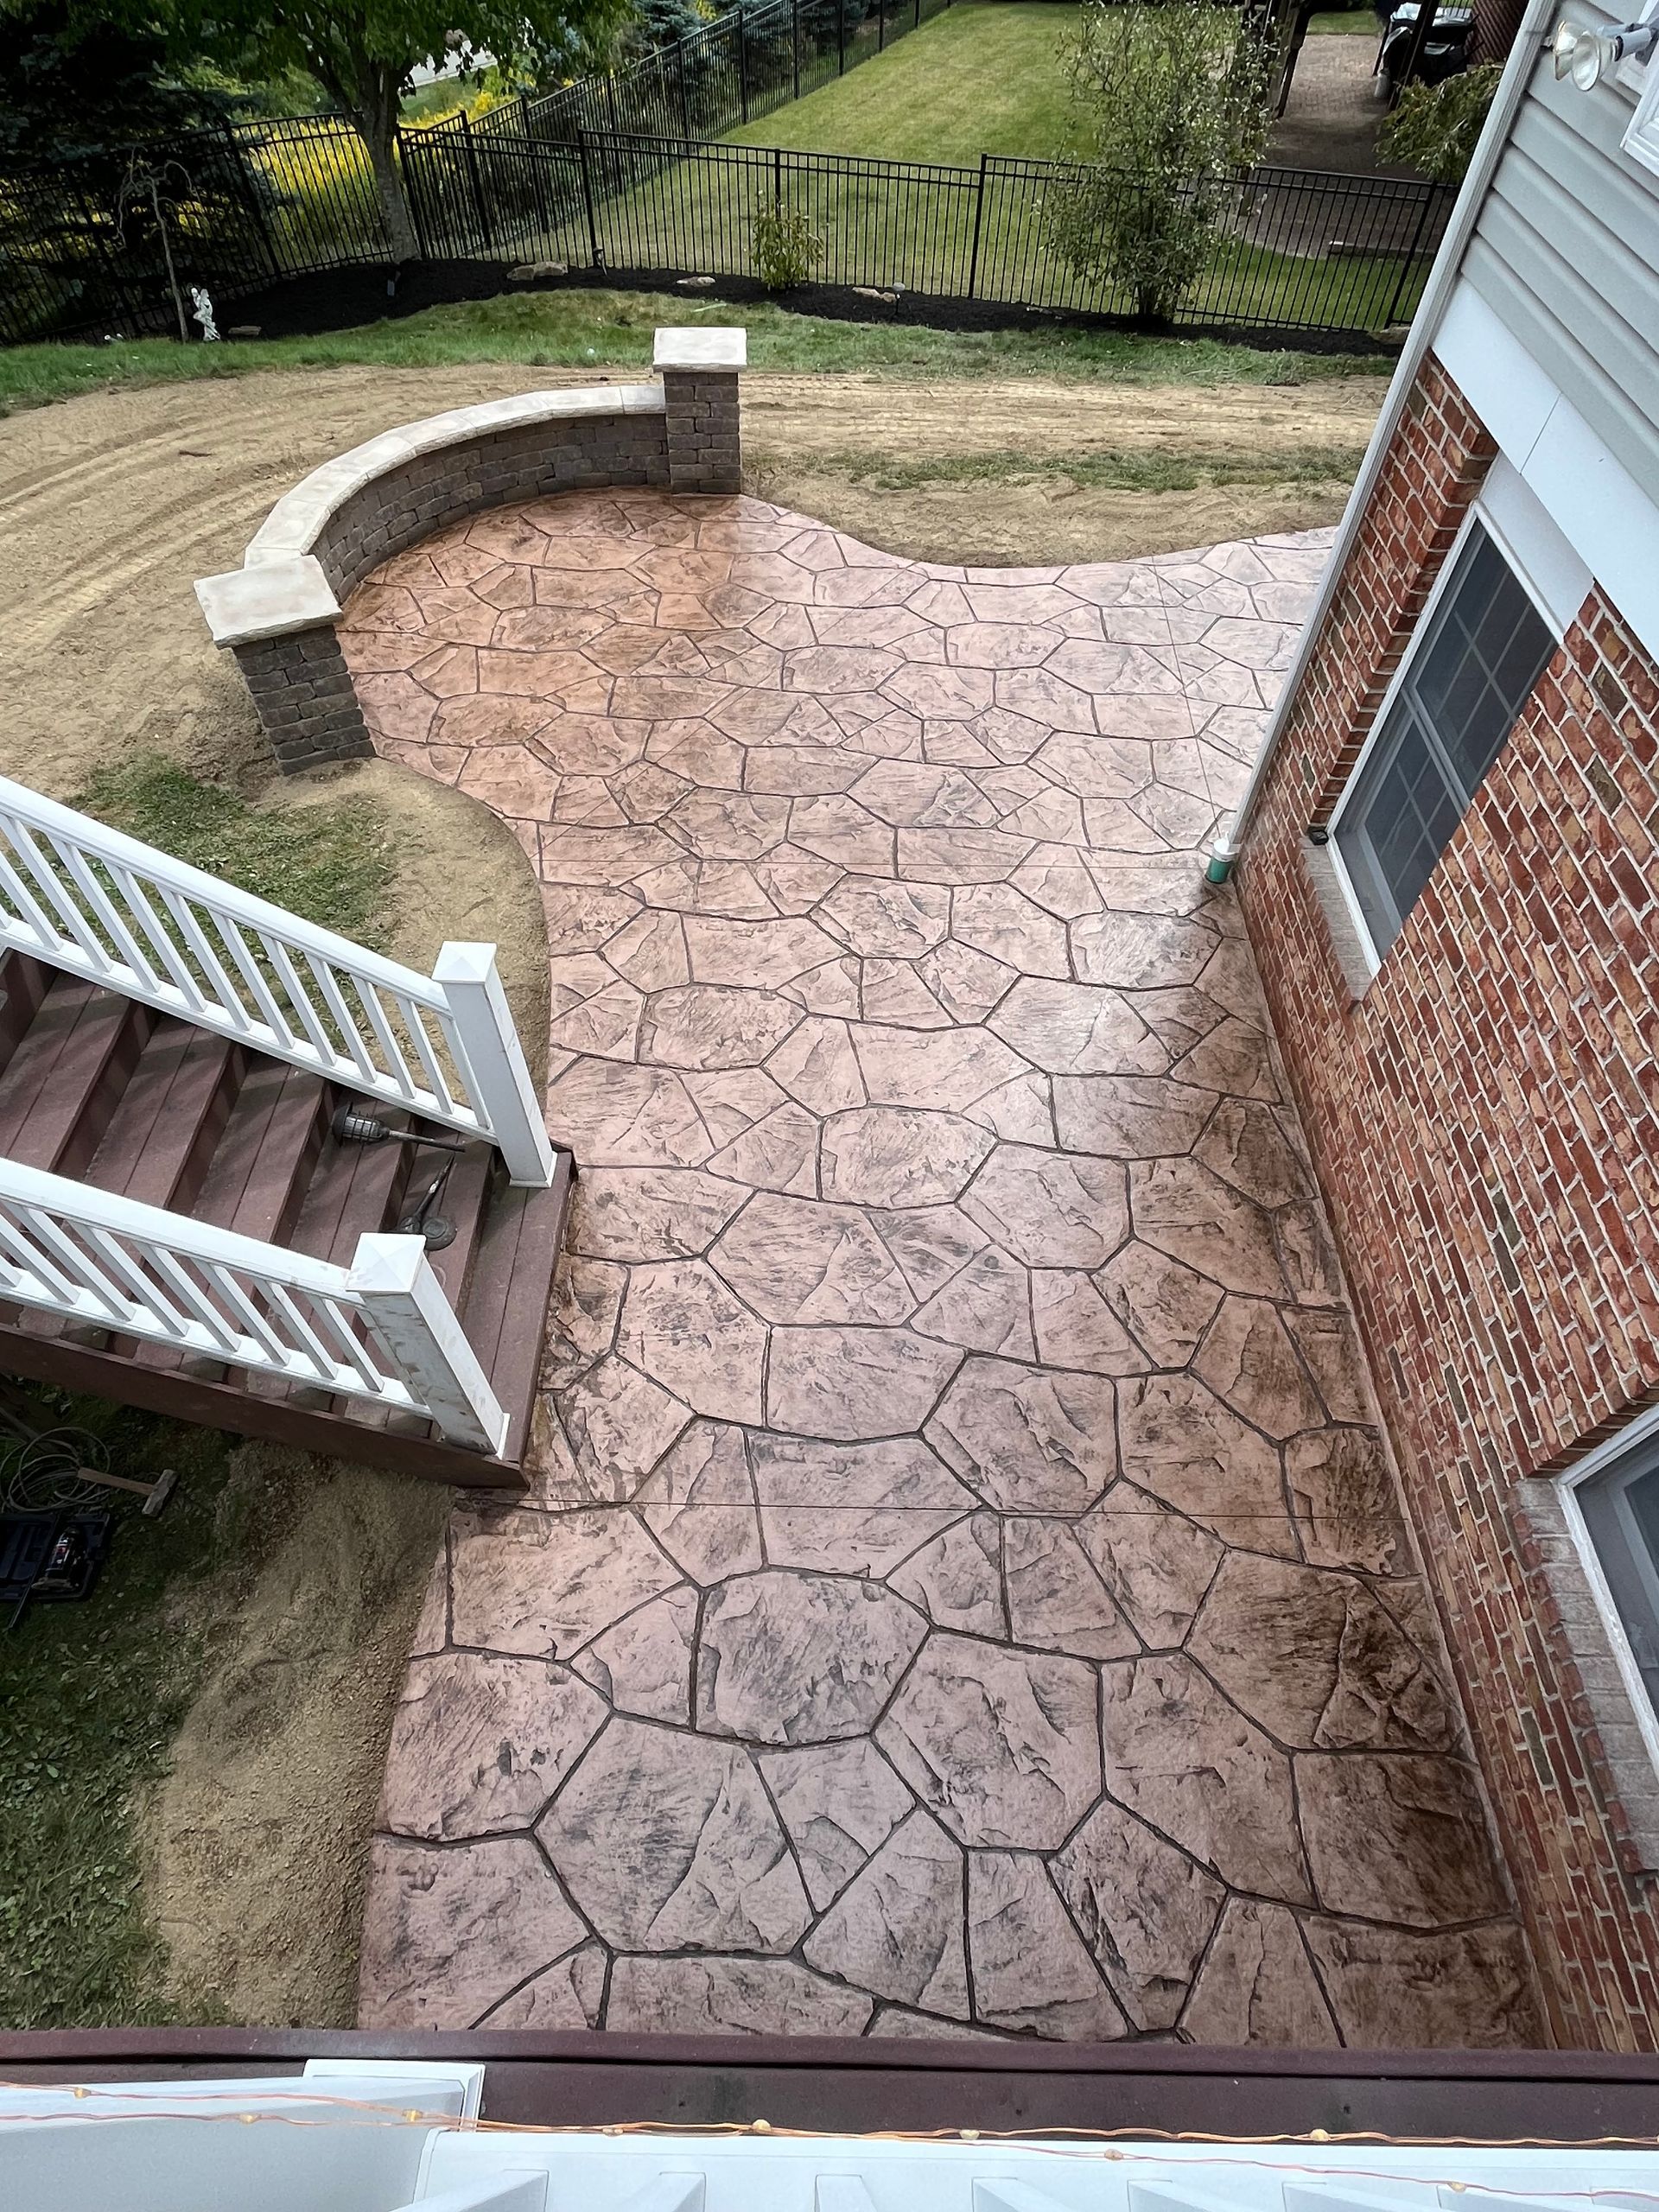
668	1842
789	1657
898	1929
1191	1765
1029	1966
840	1803
1146	1910
1002	1745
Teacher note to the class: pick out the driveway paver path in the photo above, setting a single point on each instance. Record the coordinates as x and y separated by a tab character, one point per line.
960	1592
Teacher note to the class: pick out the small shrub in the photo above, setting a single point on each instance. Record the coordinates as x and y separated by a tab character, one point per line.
784	245
1435	128
1172	98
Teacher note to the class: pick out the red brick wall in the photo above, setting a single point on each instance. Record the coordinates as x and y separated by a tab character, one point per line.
1486	1120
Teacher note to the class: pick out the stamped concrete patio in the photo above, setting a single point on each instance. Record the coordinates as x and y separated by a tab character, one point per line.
961	1591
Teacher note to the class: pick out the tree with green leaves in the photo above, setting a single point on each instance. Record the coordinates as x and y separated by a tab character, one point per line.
1173	98
1434	129
75	84
363	54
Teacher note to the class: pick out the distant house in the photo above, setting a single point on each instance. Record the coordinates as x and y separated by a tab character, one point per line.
1449	862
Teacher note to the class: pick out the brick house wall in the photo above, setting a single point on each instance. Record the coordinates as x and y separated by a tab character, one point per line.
1484	1119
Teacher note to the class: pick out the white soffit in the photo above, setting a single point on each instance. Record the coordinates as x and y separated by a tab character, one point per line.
1611	525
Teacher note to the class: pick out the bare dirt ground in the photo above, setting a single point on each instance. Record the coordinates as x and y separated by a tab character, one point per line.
113	504
109	506
258	1841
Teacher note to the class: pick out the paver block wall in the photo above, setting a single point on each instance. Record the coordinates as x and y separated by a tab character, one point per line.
298	680
1485	1123
704	452
303	696
397	510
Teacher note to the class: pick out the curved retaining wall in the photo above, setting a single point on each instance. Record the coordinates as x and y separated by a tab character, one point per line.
277	611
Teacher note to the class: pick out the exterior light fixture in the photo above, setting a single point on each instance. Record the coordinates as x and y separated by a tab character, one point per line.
1588	55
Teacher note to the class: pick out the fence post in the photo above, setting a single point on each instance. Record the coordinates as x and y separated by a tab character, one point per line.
916	23
538	181
409	1312
979	218
596	259
498	1080
795	40
743	63
237	152
1430	194
880	26
841	38
685	104
480	206
596	253
410	158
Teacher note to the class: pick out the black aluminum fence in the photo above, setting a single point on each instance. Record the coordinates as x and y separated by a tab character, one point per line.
1295	251
575	176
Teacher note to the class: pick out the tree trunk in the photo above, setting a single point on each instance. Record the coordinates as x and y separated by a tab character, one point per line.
375	114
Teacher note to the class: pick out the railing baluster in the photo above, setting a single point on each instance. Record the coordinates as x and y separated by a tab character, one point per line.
143	1288
253	1320
161	944
127	950
17	890
196	1301
324	978
231	1007
75	1265
28	1259
70	927
307	1340
383	1330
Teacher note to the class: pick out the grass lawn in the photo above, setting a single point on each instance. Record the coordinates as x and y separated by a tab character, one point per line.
583	328
978	79
90	1696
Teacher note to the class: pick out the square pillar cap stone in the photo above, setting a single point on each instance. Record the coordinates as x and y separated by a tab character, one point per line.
701	349
272	600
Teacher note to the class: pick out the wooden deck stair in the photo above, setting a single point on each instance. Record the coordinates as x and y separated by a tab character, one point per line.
102	1089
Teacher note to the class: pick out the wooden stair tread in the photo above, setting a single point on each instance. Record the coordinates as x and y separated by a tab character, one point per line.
505	1312
23	984
255	1183
162	1133
154	1110
67	1074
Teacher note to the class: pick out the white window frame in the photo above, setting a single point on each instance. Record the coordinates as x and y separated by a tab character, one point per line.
1640	139
1554	578
1631	1438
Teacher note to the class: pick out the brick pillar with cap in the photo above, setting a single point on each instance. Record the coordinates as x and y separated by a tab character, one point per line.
278	619
699	370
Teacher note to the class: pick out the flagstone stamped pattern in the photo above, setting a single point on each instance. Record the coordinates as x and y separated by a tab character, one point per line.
959	1592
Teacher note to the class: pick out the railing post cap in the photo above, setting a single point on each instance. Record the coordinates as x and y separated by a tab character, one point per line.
272	600
464	963
386	1262
701	349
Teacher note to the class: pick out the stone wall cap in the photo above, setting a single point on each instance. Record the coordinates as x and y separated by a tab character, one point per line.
272	600
701	349
300	516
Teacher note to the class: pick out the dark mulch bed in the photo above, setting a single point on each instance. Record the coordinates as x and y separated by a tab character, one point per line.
343	298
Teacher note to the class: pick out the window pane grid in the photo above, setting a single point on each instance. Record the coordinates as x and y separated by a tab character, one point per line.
1471	673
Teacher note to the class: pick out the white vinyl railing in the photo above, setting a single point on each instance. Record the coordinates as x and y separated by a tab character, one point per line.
381	1330
369	2135
85	897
